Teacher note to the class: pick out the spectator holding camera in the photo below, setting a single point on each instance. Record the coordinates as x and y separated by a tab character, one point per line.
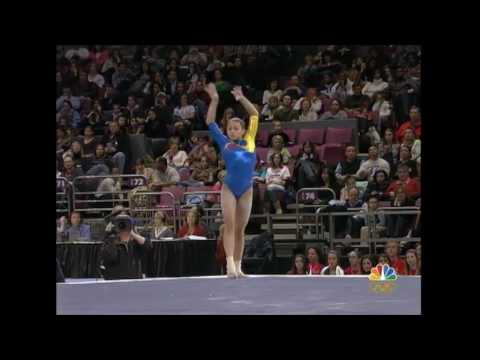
123	251
75	230
372	165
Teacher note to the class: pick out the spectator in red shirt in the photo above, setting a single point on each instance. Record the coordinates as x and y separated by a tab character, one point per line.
314	266
412	265
392	249
415	123
366	265
410	186
355	266
192	225
299	266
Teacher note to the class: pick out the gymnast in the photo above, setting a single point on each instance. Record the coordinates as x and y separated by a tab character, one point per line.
238	152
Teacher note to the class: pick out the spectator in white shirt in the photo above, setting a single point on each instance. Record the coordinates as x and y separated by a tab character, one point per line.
372	165
306	113
184	111
374	86
311	95
276	178
332	268
95	77
270	108
272	91
174	156
164	175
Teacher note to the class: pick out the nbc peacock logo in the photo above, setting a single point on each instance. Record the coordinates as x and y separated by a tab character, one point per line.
382	279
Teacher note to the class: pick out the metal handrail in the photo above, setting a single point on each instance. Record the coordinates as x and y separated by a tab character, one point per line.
303	190
154	209
66	194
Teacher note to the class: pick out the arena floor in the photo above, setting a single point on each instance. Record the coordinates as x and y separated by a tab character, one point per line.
255	295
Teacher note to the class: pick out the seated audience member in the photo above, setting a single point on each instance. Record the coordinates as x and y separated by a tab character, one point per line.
270	108
388	148
354	102
373	223
276	178
311	96
374	86
140	169
285	111
366	264
163	175
204	172
314	267
306	112
398	224
382	109
353	200
174	156
378	186
334	112
392	250
156	122
64	141
383	260
75	230
277	130
100	164
294	88
332	268
299	266
370	166
160	229
349	184
117	146
70	171
184	110
279	148
405	158
412	264
328	180
192	225
411	187
355	267
349	166
307	167
272	91
89	143
415	123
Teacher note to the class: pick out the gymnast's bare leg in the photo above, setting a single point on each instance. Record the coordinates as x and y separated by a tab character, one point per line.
243	210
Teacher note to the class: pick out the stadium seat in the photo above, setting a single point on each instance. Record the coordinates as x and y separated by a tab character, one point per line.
262	137
184	174
316	136
338	136
331	153
292	135
177	191
294	150
262	153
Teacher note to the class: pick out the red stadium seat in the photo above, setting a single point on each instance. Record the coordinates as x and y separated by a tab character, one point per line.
332	153
294	150
262	153
177	191
262	137
292	135
316	136
338	136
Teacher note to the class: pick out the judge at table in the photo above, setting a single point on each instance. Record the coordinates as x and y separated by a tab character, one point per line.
160	229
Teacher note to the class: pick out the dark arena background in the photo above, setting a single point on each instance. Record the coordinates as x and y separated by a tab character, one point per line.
132	141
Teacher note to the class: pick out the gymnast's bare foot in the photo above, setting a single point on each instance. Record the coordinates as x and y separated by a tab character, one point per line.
231	271
238	270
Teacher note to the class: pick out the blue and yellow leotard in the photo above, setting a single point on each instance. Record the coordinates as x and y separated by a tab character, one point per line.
239	157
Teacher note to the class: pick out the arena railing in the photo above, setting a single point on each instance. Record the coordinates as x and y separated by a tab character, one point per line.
87	201
144	204
309	195
373	236
63	194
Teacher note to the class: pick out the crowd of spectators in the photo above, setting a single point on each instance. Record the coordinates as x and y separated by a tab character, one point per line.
106	94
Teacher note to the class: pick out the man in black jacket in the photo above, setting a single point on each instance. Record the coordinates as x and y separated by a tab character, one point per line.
349	166
122	253
117	145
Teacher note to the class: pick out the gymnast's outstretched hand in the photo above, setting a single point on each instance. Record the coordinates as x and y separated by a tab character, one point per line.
237	92
211	90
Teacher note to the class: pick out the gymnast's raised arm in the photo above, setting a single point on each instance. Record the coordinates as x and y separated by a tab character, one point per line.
247	105
212	108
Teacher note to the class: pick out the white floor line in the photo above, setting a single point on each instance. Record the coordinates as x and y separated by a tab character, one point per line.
219	277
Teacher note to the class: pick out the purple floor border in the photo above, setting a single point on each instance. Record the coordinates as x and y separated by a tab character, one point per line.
257	295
